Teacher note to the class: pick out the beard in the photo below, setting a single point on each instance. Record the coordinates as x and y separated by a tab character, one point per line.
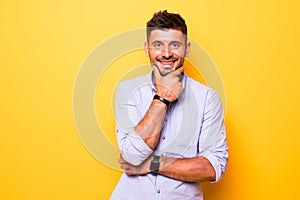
164	71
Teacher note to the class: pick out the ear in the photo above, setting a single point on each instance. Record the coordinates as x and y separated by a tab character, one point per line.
146	49
187	49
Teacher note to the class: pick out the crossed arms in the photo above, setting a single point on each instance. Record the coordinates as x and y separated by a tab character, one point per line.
146	134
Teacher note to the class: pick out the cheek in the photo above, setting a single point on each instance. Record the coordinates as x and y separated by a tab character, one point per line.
179	53
153	54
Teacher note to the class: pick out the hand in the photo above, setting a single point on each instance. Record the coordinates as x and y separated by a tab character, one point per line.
168	87
132	170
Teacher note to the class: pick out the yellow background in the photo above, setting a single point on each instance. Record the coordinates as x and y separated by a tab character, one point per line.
255	45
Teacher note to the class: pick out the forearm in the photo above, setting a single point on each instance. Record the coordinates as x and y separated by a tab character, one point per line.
149	128
195	169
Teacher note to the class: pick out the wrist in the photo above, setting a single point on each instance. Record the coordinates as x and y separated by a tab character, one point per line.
161	99
165	163
160	104
155	164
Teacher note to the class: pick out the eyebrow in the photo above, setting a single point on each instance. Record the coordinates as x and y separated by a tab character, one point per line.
172	42
175	42
156	41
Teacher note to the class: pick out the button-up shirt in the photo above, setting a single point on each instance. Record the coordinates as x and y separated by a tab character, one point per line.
193	126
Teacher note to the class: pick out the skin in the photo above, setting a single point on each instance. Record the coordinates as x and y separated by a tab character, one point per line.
166	50
197	169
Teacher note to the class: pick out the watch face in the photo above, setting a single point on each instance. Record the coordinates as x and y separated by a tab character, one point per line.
154	166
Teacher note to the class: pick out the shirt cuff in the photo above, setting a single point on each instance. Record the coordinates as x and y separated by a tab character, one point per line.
216	165
134	149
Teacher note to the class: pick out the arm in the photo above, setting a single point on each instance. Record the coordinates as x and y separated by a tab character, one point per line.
168	87
195	169
212	142
137	138
210	164
150	126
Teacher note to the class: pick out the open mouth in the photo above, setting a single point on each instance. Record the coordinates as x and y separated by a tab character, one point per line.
168	63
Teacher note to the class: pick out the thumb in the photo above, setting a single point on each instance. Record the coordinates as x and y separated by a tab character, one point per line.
179	70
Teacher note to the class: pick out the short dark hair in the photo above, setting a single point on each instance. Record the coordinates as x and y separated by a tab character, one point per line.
166	20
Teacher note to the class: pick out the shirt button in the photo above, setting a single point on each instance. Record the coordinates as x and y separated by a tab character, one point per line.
163	137
158	191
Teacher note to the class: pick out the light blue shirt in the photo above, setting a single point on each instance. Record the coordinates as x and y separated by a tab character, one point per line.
194	126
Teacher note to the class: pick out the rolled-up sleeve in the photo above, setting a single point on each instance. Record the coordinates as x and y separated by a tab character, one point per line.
133	148
212	142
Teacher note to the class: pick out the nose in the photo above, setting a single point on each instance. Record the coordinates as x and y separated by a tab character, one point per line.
166	53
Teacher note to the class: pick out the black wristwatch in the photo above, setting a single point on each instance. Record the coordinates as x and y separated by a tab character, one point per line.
154	166
165	101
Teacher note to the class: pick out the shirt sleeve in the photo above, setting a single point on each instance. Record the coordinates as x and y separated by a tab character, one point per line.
212	143
133	148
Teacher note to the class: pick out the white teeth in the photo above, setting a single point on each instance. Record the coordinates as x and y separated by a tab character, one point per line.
167	63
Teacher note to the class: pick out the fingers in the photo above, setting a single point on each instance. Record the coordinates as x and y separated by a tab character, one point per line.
124	166
121	160
123	163
178	71
127	168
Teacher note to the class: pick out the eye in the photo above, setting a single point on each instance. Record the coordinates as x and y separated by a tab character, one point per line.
157	45
175	45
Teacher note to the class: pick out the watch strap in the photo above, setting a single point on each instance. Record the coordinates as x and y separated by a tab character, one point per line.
165	101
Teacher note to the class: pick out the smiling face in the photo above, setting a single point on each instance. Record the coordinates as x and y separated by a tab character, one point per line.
166	49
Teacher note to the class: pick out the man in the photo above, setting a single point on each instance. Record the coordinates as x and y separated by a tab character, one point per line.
170	128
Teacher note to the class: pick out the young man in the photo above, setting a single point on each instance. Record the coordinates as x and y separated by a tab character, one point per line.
170	128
